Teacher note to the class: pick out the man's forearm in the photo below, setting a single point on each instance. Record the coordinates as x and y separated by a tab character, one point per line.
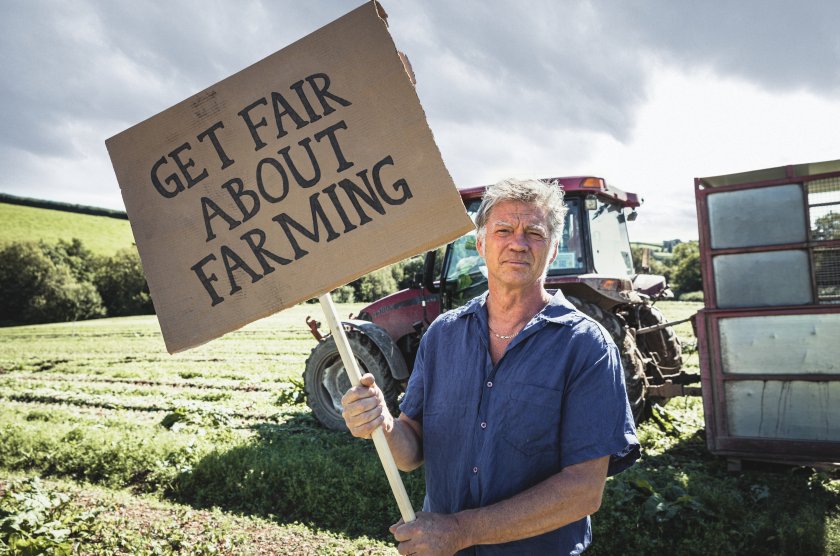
405	443
561	499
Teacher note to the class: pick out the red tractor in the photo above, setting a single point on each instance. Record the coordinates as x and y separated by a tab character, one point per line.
593	268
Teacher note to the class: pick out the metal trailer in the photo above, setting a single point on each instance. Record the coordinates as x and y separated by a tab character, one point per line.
769	334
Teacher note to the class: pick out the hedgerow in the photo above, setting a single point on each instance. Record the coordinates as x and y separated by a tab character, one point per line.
64	281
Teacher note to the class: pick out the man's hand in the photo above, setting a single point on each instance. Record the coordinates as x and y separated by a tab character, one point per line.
430	534
364	409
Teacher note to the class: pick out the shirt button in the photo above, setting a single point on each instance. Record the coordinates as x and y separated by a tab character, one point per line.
475	469
489	384
483	425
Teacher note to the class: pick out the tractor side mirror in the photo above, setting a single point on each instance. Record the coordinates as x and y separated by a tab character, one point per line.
429	272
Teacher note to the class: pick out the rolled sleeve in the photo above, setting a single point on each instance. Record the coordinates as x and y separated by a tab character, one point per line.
597	421
412	402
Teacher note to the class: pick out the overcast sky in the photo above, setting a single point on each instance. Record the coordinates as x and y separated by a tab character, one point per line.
647	94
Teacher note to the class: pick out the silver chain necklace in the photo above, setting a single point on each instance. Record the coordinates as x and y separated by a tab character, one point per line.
501	336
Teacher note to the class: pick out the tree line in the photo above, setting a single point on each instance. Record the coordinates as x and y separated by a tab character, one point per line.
58	205
44	282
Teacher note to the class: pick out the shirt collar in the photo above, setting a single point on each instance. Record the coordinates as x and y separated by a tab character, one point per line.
558	310
474	305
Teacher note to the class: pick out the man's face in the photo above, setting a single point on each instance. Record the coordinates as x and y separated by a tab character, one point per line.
517	246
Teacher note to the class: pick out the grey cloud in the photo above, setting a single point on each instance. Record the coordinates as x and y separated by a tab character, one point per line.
585	65
547	65
543	64
778	44
112	64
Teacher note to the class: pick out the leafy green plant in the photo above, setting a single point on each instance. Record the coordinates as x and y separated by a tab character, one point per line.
34	521
662	506
191	415
291	393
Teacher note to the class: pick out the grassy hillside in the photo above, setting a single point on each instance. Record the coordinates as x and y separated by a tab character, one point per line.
101	234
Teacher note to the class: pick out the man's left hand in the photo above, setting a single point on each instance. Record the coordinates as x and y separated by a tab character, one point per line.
429	534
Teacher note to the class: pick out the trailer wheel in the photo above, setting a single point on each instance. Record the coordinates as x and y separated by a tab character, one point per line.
325	380
631	358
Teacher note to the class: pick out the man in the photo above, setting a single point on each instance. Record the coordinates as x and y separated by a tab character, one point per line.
516	404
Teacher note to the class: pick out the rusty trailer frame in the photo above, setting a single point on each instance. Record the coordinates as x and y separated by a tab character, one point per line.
769	332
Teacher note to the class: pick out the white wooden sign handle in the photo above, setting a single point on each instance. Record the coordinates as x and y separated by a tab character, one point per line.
355	375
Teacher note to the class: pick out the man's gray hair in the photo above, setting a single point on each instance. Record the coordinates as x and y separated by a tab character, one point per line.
548	195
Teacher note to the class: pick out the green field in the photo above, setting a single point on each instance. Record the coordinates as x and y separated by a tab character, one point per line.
210	451
101	234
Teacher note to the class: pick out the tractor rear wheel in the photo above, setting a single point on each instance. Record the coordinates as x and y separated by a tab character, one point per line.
661	348
631	359
664	343
325	380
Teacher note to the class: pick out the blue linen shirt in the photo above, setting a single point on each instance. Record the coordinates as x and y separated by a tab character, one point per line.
556	398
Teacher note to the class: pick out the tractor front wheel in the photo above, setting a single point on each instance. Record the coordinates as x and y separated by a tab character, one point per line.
325	380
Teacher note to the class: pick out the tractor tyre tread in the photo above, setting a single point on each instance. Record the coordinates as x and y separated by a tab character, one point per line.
665	343
323	359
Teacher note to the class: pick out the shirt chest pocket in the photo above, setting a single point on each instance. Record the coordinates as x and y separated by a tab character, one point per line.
531	421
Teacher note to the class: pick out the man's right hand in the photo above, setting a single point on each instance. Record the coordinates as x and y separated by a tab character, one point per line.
364	409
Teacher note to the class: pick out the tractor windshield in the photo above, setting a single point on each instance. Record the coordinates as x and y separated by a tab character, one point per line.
610	242
465	273
570	258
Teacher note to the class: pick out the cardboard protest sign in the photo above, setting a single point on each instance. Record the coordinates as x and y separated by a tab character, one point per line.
286	180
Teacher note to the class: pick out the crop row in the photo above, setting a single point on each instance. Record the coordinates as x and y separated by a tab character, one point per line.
227	385
285	333
86	415
105	401
158	369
